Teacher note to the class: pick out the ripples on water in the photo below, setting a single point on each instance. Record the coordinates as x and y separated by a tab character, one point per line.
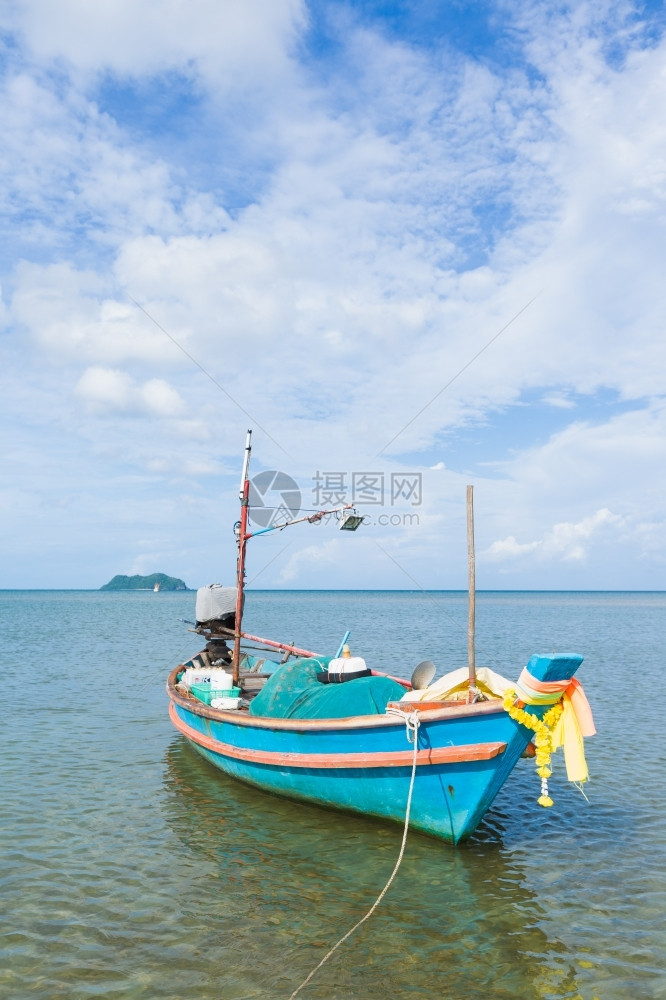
132	869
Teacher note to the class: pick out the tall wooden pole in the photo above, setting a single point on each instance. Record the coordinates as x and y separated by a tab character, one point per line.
471	597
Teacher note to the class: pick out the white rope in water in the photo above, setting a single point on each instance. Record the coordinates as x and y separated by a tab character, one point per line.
412	724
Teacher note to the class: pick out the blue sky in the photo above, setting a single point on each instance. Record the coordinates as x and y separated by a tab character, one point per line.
402	239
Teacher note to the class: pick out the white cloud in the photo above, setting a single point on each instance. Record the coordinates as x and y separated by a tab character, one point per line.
559	400
108	389
568	540
563	541
340	252
146	563
344	255
228	41
609	457
69	315
509	547
317	558
161	399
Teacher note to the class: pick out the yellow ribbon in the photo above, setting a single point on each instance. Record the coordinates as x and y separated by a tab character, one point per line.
574	723
567	733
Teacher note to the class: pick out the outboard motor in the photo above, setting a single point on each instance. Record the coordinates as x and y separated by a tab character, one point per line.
216	607
219	652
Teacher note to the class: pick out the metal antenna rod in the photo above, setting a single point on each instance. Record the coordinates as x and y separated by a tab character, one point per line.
471	598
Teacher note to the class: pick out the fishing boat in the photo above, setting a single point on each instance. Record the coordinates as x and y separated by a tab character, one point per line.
327	729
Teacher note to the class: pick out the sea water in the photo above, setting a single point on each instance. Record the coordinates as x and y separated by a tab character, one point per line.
130	868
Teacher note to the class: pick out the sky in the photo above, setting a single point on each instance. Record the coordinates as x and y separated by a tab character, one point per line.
413	245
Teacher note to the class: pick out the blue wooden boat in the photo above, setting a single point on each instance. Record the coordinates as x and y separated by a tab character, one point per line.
449	759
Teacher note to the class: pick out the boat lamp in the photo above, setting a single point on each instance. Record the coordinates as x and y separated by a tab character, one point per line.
350	521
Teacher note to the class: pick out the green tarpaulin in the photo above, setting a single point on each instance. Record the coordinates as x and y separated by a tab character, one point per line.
293	692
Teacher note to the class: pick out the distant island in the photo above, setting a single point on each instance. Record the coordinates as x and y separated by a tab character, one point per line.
156	581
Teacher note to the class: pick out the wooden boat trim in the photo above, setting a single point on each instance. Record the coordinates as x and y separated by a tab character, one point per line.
397	758
447	711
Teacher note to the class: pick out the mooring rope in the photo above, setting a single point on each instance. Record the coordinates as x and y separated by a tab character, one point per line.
412	723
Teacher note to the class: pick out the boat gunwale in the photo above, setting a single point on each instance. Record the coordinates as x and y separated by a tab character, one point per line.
241	718
454	754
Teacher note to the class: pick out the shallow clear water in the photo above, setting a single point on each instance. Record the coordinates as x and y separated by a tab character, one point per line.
132	869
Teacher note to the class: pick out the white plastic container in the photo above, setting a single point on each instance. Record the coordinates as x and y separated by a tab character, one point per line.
192	676
219	679
226	704
347	665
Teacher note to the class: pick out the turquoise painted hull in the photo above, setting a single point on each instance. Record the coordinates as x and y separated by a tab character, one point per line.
364	765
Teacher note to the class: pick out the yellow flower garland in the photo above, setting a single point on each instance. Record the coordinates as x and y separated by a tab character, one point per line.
543	729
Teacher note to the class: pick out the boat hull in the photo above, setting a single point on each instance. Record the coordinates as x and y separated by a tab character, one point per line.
462	762
364	764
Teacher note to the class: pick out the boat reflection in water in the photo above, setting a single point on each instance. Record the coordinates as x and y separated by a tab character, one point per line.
277	882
